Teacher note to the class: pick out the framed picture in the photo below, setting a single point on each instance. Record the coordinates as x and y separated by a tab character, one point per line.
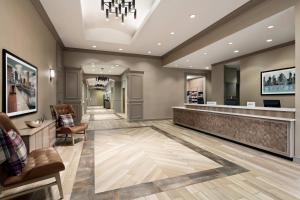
278	82
20	86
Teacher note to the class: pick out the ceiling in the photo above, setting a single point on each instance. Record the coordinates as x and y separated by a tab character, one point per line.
97	68
82	24
248	40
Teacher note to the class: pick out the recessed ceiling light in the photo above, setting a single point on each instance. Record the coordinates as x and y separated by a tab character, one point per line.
230	43
120	49
94	46
236	51
190	66
117	65
159	43
207	67
271	26
172	33
112	67
205	53
269	40
192	16
149	52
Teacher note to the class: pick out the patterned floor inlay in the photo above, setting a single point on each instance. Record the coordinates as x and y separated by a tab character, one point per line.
169	172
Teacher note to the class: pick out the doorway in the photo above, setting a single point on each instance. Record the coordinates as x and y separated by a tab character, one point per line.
96	97
195	89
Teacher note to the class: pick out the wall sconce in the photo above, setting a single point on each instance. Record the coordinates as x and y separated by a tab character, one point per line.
52	74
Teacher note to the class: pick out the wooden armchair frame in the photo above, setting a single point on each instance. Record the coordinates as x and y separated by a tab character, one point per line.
63	109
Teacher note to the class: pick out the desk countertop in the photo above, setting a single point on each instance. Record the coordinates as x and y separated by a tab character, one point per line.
32	131
238	114
245	107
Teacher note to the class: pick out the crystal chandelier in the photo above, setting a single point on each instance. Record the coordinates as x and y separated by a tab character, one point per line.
121	8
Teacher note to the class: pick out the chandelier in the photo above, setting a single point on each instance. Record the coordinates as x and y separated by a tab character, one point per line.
121	8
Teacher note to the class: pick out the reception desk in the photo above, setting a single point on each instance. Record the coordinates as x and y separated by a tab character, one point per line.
270	129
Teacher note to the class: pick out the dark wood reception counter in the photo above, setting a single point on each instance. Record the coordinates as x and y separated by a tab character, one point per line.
270	129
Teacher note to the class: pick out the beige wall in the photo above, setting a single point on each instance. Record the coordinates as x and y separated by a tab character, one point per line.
217	82
24	34
195	84
163	87
250	69
250	75
297	60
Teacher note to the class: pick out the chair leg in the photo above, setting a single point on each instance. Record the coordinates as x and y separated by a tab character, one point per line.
85	137
58	181
73	142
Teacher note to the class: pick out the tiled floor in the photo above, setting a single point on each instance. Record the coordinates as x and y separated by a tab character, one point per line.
158	160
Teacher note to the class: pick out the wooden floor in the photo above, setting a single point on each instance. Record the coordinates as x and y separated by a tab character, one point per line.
268	177
140	155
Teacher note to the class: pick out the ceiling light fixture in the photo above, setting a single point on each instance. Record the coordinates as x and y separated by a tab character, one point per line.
205	53
271	26
117	65
120	49
192	16
190	66
236	51
159	44
94	46
269	40
119	7
172	33
230	43
149	52
207	67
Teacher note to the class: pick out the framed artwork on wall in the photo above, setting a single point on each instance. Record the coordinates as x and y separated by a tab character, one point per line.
20	85
278	82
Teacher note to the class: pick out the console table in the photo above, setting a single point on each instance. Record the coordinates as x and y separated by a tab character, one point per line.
41	137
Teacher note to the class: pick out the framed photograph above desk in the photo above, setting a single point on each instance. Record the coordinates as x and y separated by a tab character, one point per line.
278	82
20	85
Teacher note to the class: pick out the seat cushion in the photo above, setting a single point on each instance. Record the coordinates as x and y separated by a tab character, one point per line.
18	154
66	120
73	130
41	162
4	147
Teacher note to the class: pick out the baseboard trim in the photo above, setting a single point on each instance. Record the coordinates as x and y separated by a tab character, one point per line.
296	160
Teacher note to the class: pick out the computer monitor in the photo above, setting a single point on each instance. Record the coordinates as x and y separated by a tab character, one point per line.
272	103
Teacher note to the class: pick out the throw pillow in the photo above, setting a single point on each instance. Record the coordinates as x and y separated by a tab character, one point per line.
18	154
4	146
66	120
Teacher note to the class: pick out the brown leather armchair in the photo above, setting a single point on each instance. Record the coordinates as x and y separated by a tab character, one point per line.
63	109
41	164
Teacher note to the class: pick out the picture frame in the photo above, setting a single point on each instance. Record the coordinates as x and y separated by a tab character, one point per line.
20	86
278	81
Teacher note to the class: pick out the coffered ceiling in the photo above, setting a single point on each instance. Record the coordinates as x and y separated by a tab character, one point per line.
161	25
